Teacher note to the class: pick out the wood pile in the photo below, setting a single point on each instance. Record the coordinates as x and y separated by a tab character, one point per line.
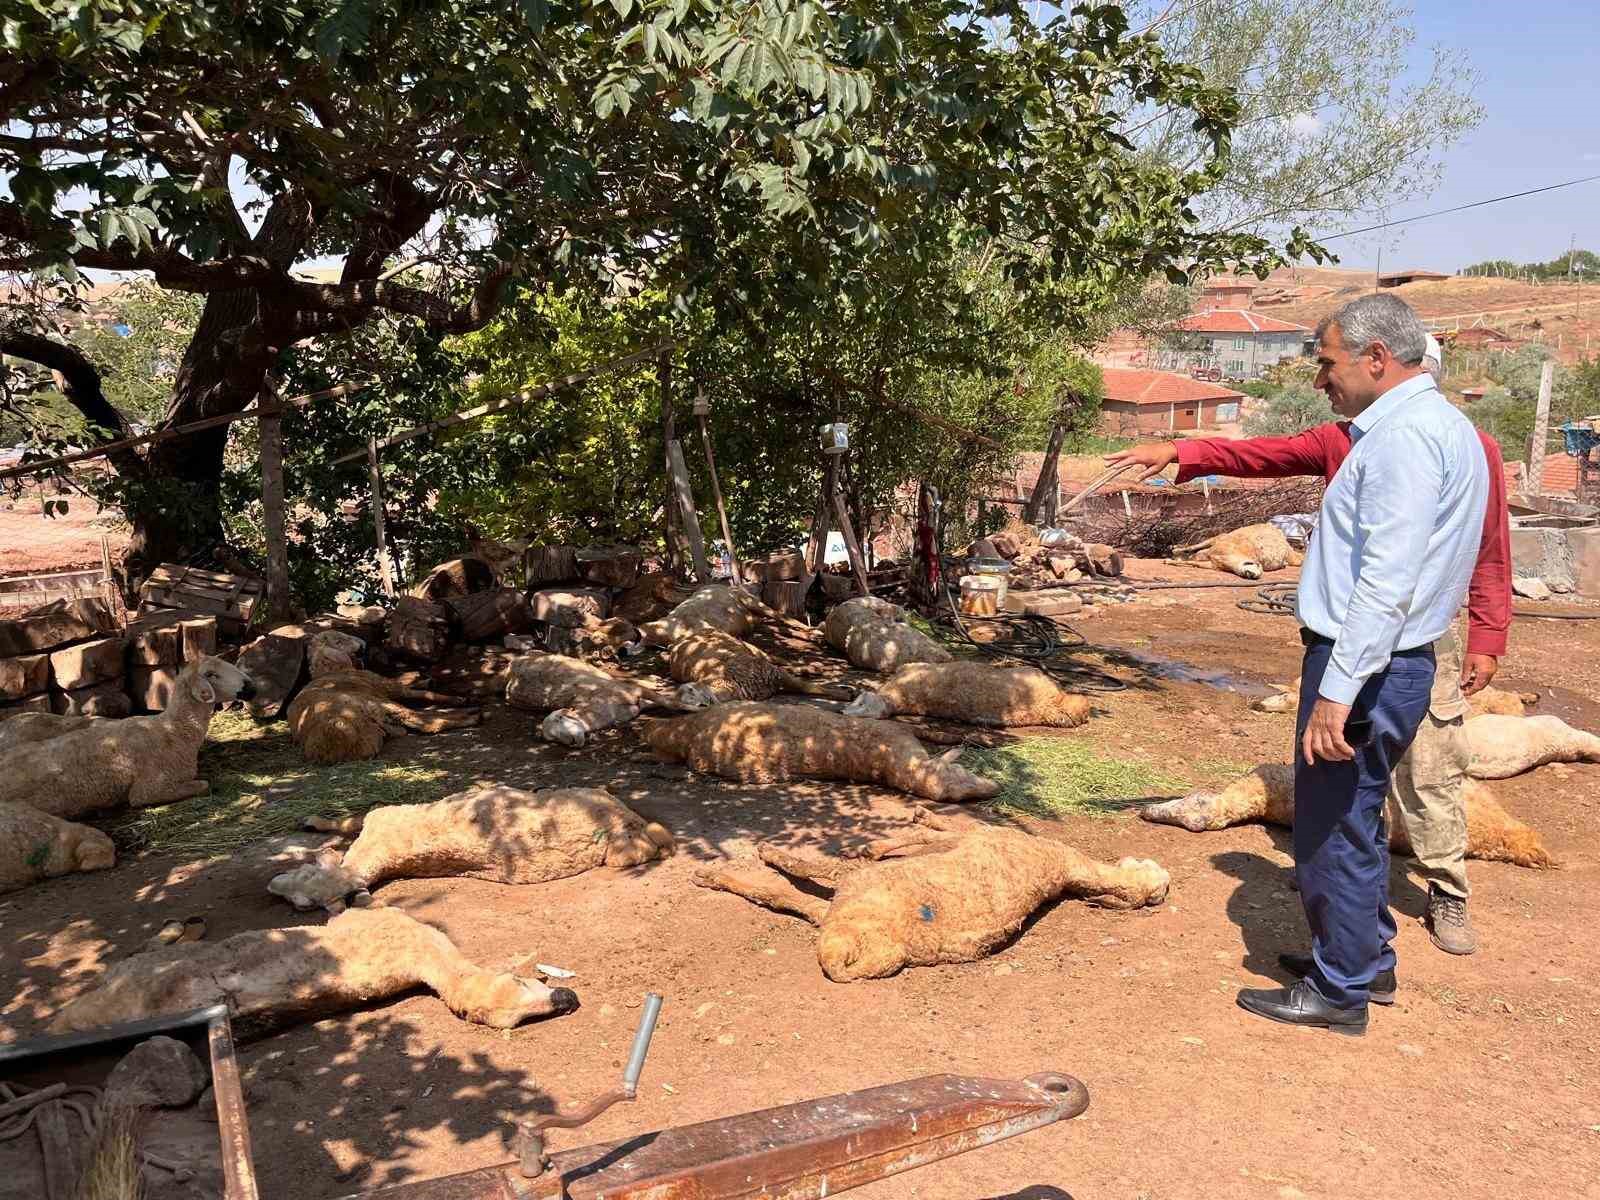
65	657
1066	560
159	645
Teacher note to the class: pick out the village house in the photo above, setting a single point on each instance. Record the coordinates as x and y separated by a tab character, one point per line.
1141	403
1235	342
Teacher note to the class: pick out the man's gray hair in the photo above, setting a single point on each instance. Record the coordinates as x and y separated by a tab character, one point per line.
1367	320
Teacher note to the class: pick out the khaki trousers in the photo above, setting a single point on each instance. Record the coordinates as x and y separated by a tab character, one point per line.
1427	792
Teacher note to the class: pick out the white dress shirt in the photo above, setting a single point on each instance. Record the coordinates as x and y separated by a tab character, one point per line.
1397	535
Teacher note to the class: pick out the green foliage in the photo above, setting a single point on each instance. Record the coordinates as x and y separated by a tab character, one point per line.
137	371
1507	409
1286	410
1576	263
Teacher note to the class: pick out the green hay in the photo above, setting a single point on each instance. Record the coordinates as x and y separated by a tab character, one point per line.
261	785
1055	776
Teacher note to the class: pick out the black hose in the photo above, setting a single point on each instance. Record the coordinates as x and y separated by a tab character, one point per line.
1273	599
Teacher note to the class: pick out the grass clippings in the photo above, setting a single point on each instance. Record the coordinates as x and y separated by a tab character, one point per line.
1057	776
261	785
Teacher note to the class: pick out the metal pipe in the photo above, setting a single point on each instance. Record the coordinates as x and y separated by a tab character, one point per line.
641	1042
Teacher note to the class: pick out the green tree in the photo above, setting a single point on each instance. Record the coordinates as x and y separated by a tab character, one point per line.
1285	410
609	143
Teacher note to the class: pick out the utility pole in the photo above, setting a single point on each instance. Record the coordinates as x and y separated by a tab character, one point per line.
1377	274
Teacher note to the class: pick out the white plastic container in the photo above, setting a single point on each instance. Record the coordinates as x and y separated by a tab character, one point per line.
981	595
835	437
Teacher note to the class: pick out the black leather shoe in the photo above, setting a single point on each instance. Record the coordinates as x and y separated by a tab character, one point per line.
1383	983
1302	1004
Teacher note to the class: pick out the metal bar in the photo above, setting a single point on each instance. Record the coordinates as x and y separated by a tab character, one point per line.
804	1151
641	1041
33	468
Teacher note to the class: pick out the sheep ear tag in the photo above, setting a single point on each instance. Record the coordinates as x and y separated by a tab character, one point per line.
202	692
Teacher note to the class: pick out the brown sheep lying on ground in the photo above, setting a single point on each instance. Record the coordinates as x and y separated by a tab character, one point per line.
1506	746
1247	552
715	667
586	698
1267	794
874	636
1488	700
344	714
975	694
277	976
496	833
34	846
769	743
960	898
714	606
137	760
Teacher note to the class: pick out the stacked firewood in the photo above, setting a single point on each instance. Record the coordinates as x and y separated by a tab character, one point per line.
1060	559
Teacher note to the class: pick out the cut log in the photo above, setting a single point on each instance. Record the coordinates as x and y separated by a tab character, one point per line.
489	616
571	608
787	596
24	676
459	577
33	704
198	636
105	699
155	640
90	609
550	564
151	688
44	631
276	665
419	629
784	565
610	566
88	663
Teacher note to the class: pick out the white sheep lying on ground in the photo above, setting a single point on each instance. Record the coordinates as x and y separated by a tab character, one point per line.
716	667
1505	746
586	698
276	976
497	833
874	636
39	727
1246	552
1267	794
714	606
34	846
768	743
976	694
137	760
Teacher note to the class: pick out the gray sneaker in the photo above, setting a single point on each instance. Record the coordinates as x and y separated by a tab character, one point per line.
1449	924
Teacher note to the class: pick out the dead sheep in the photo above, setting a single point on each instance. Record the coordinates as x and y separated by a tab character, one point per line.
585	698
274	977
1247	552
35	846
501	834
137	760
874	636
772	743
958	898
713	607
975	694
1504	746
1485	701
1267	794
715	668
344	714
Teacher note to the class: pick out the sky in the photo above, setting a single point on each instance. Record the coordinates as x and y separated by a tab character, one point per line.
1540	62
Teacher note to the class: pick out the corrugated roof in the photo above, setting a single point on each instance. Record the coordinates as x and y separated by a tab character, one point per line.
1130	386
1236	320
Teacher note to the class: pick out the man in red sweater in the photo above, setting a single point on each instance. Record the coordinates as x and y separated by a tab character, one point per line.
1428	786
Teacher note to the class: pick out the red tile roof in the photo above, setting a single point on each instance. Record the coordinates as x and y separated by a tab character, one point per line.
1560	476
1161	387
1236	320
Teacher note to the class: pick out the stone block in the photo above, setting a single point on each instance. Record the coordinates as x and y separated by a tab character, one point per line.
88	663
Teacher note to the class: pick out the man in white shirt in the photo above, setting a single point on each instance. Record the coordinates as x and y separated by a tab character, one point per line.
1384	576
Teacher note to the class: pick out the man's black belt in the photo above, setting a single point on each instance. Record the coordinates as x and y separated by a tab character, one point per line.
1310	637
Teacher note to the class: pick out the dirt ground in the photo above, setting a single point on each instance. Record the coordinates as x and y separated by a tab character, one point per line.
1479	1083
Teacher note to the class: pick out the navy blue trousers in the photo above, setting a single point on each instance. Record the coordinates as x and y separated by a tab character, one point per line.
1341	848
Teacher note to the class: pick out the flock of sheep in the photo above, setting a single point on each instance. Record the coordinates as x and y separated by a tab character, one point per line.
952	888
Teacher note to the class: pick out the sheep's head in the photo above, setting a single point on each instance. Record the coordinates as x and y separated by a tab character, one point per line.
696	695
1196	812
564	728
955	784
869	704
325	660
216	681
1241	565
859	945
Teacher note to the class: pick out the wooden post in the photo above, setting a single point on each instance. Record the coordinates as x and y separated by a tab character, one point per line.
272	505
384	571
817	551
1541	430
852	548
1045	486
679	476
716	490
673	518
